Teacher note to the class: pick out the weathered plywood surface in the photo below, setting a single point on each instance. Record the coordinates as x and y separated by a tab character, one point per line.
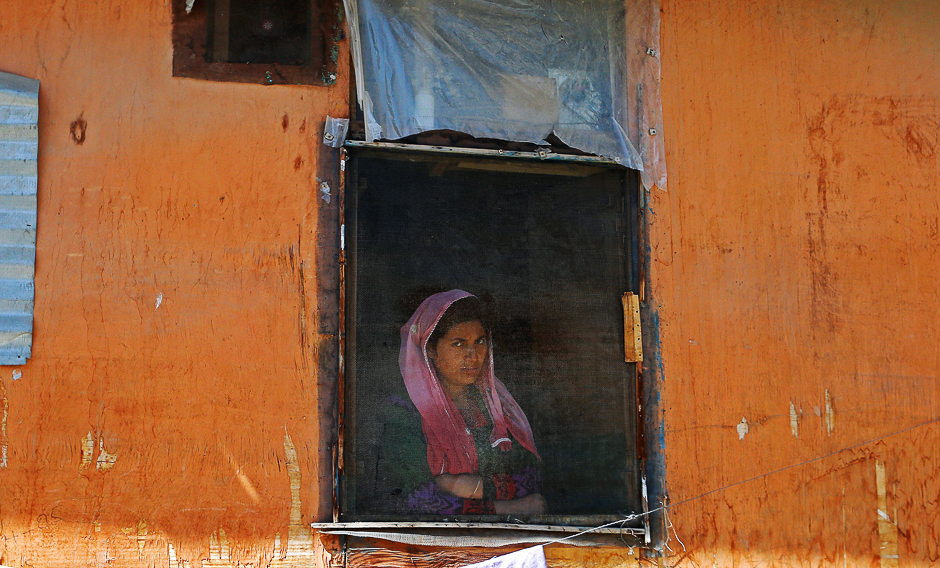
169	412
794	264
390	555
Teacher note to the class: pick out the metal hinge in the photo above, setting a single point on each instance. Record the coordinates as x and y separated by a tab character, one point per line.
632	334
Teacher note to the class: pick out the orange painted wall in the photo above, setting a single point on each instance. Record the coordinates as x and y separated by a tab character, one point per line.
175	314
794	261
176	319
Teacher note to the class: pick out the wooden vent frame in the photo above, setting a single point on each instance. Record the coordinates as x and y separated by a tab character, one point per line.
190	40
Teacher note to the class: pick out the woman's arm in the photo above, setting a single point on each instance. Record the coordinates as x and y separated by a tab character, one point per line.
517	498
405	483
465	485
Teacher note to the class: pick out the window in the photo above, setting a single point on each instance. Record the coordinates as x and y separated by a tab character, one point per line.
257	41
550	246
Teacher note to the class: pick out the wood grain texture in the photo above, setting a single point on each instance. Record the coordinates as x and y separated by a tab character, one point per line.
395	556
802	148
632	333
173	245
178	332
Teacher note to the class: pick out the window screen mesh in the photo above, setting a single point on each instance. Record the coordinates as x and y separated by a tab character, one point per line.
550	254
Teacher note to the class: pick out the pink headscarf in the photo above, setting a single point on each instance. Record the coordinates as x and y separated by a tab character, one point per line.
451	448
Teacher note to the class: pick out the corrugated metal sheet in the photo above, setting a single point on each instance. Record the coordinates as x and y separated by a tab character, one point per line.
19	146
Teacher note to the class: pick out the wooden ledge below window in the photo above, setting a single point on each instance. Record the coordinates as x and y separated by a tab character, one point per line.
461	535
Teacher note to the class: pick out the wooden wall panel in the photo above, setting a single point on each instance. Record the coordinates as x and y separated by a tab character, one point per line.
169	412
391	555
794	264
168	416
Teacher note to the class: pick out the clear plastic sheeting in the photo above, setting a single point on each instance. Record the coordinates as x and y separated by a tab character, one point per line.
334	131
519	70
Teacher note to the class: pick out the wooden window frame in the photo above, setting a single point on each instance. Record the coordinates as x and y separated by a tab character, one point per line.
638	532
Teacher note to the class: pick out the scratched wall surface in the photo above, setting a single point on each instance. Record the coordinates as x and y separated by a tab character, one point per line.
794	265
169	411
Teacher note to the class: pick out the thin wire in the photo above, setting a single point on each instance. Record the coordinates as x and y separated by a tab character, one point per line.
669	525
628	518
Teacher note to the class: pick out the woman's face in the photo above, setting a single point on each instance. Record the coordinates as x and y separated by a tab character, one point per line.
459	355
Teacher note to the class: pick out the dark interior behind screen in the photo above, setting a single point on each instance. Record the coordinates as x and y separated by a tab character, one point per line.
549	253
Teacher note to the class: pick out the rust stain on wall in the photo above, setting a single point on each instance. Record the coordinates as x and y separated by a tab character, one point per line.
77	130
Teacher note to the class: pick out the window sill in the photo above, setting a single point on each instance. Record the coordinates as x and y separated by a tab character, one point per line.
463	534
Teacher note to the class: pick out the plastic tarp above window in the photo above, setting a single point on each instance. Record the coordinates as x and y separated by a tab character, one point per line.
520	70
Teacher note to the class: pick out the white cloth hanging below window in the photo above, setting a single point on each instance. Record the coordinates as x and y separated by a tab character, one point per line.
533	557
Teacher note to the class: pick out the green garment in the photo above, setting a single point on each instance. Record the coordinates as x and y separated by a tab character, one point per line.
403	460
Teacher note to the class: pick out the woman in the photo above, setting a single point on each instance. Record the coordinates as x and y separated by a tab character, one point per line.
461	444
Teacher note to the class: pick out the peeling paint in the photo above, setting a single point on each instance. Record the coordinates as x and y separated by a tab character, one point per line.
300	543
830	415
324	191
105	459
742	428
17	374
887	530
293	473
142	534
4	413
159	300
794	421
218	547
88	451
